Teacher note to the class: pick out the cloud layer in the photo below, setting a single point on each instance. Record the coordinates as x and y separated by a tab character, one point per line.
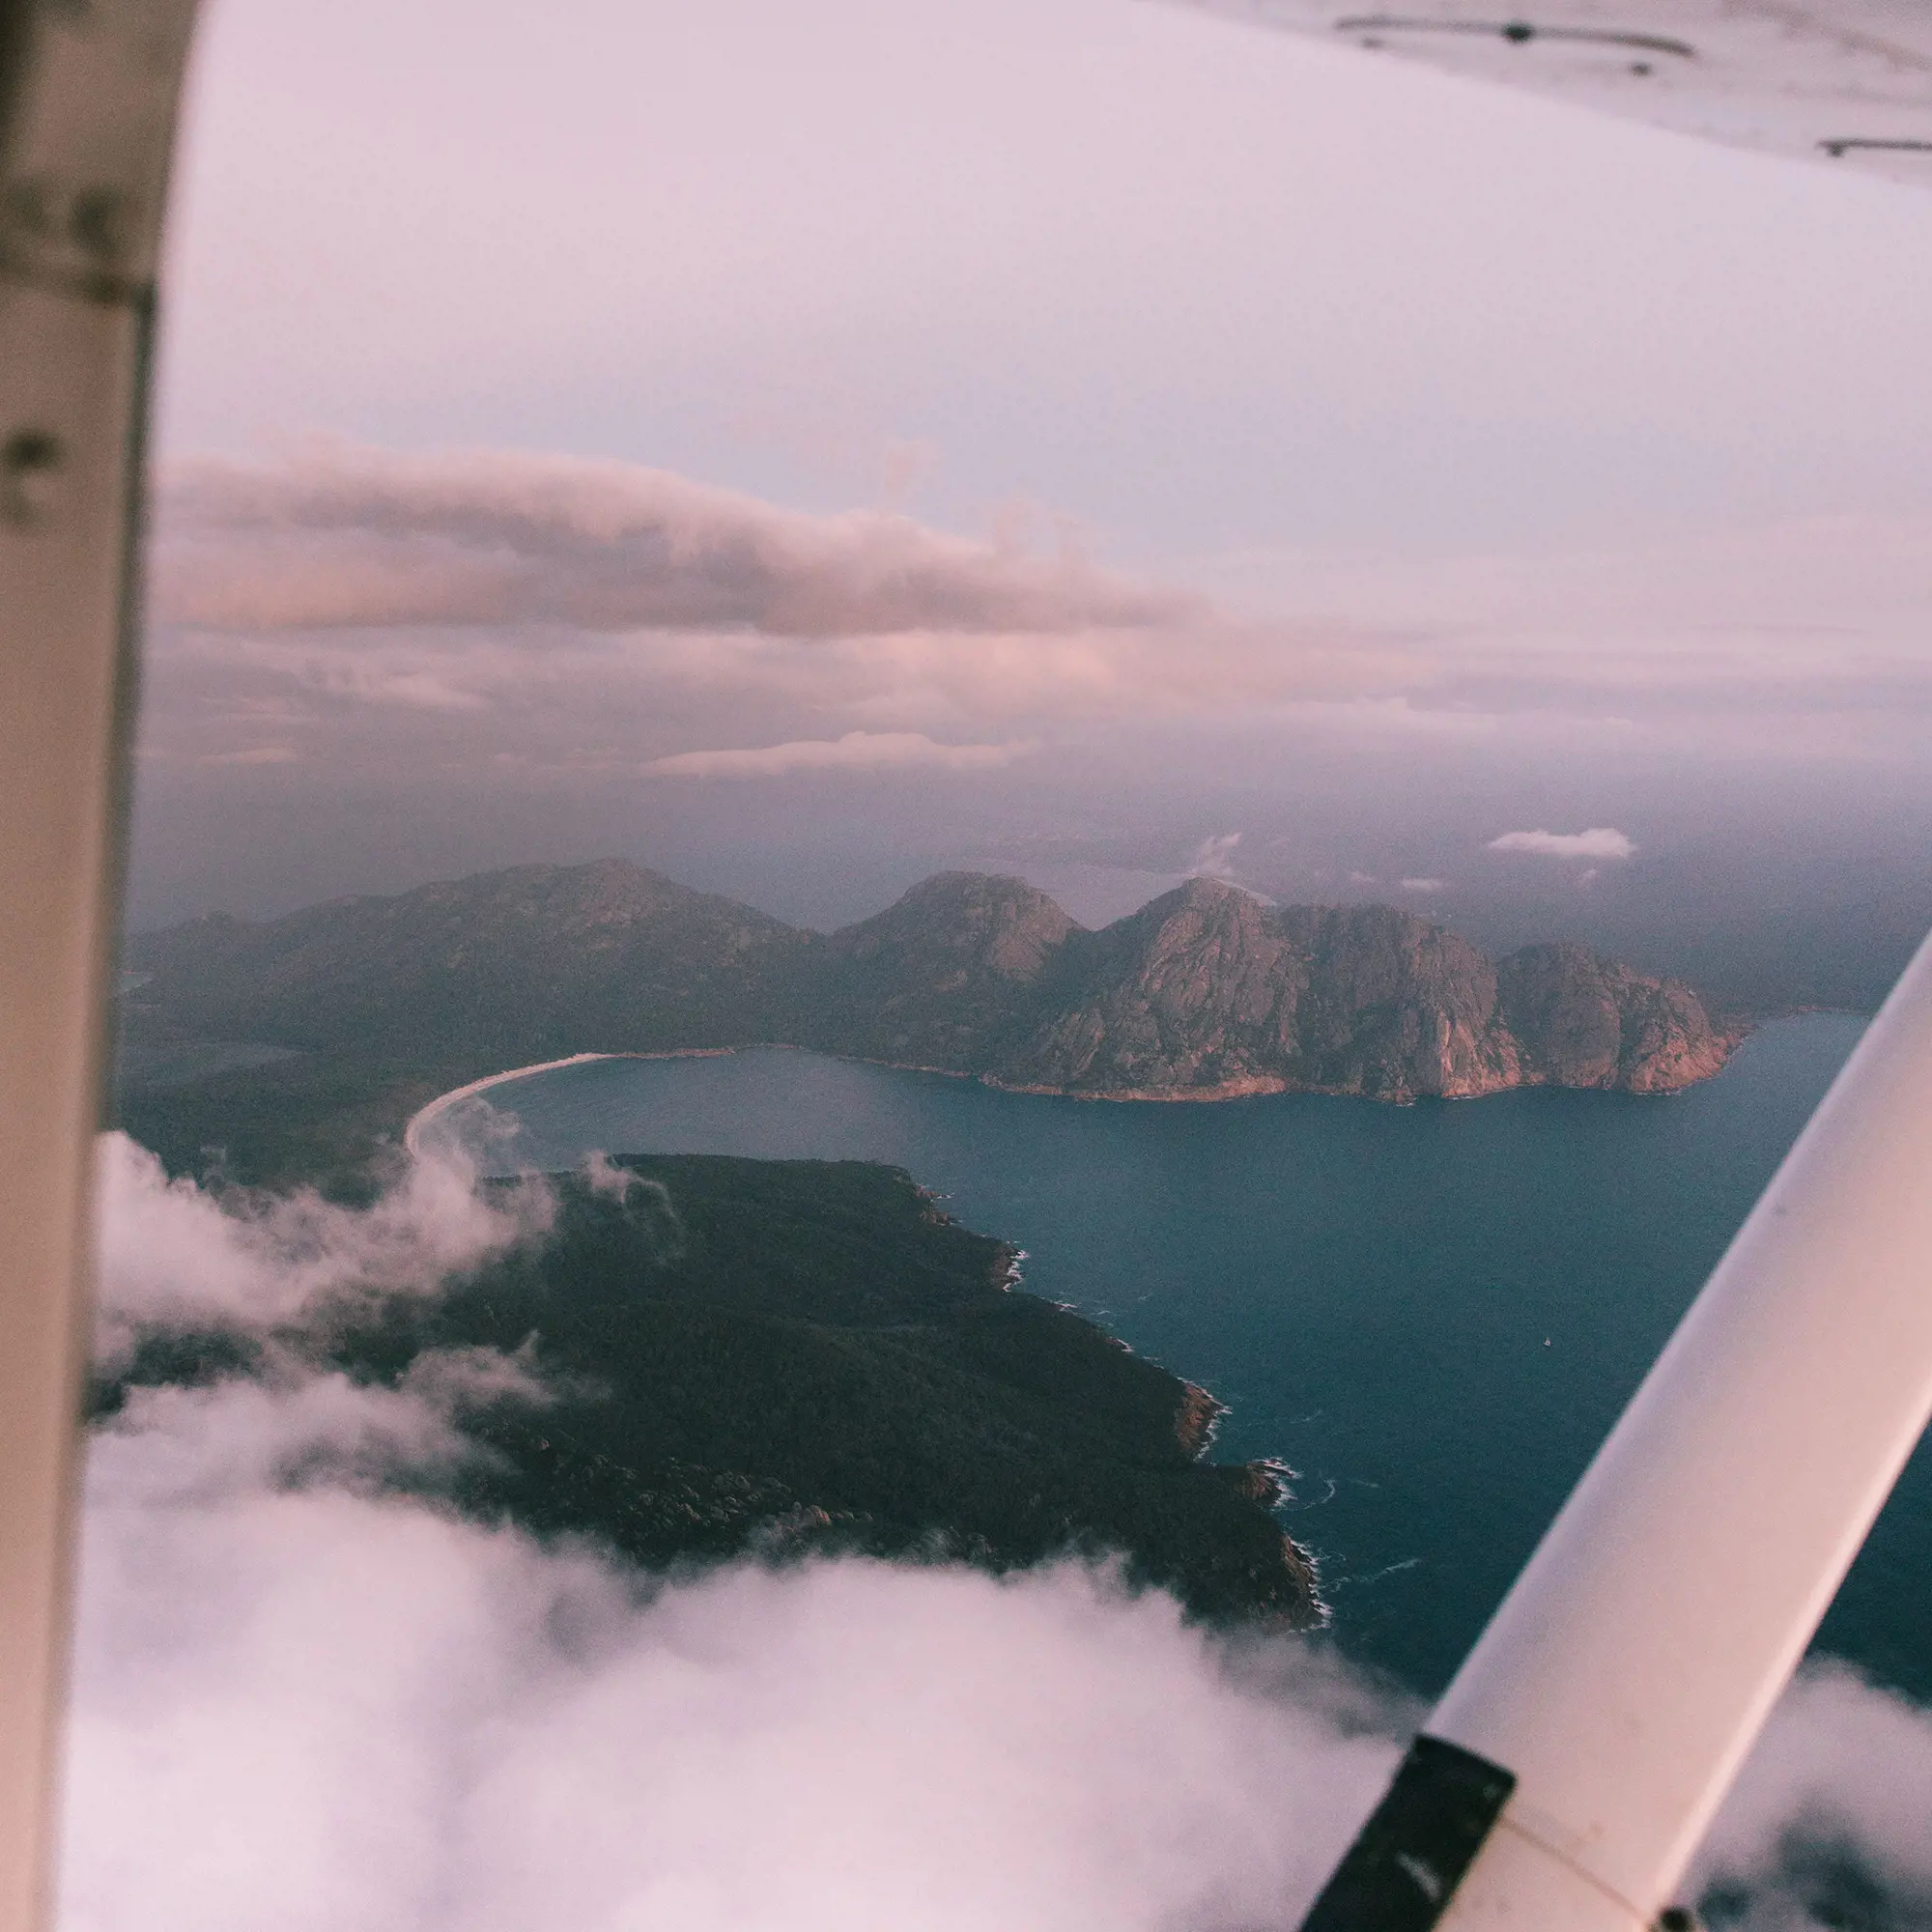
1827	1824
364	539
1599	841
514	652
173	1257
855	752
305	1699
512	587
314	1708
546	619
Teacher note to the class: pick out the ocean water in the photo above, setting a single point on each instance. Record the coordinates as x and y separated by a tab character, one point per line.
1432	1314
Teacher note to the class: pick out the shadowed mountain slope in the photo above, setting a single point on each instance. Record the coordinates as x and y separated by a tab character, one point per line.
951	975
533	962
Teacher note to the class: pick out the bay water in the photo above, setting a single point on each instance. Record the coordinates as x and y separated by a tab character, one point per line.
1432	1314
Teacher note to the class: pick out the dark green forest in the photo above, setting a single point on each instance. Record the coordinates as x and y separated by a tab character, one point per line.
788	1357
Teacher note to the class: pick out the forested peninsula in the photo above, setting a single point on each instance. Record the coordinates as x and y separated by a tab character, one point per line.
719	1358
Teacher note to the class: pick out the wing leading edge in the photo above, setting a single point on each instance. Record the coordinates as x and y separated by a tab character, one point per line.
1843	82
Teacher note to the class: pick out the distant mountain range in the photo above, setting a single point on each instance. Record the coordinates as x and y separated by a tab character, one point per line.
1206	992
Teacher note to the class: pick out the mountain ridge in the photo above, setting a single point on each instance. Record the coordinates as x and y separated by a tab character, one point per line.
1205	992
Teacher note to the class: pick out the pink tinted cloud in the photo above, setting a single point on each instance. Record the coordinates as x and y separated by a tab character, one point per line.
360	537
855	752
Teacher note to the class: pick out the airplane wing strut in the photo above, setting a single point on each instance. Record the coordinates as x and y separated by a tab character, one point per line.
1617	1691
87	112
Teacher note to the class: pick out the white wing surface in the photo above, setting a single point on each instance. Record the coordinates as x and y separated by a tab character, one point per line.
1846	82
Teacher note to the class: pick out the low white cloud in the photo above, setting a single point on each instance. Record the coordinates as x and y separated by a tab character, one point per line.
175	1256
1214	857
176	1447
855	752
1425	886
304	1700
1599	841
303	1703
1839	1790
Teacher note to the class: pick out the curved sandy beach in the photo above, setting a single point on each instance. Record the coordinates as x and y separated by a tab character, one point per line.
441	1105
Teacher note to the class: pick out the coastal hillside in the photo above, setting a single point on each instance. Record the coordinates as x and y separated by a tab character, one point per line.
1208	990
530	962
786	1357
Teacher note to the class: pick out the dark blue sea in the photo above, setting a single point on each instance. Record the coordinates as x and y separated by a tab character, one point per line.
1432	1314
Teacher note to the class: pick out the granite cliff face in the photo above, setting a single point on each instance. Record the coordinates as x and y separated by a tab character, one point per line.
1582	1021
1208	991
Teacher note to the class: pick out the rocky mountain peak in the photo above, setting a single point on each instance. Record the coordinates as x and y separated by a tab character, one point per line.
1586	1021
1203	897
964	923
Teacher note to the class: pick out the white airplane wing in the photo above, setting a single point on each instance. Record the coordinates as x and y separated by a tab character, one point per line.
1847	82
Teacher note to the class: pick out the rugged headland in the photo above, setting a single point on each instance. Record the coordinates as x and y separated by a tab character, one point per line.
1206	992
1209	992
784	1357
